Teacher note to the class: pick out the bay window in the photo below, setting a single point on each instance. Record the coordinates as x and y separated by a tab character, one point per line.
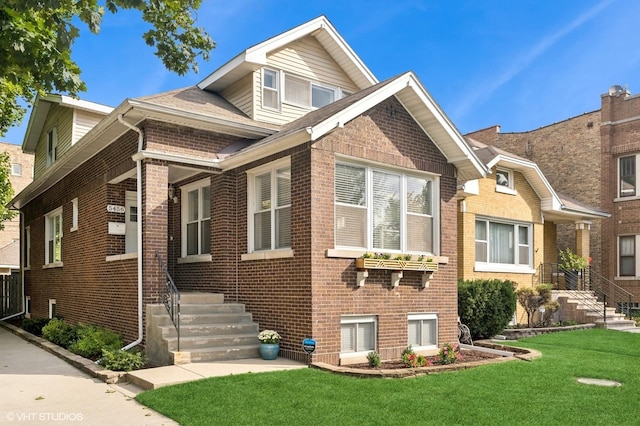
378	209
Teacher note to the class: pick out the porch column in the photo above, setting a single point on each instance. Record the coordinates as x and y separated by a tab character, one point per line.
583	229
154	221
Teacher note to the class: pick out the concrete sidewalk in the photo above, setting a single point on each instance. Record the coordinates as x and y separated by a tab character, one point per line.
40	388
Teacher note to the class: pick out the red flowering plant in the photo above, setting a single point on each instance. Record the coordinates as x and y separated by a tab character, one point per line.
449	354
412	360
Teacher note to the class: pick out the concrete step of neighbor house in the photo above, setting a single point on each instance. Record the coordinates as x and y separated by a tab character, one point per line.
617	324
583	307
210	330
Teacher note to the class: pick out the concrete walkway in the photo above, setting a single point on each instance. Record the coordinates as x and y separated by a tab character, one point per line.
39	388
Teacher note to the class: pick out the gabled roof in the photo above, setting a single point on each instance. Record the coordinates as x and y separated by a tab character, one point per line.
40	111
556	207
408	90
255	57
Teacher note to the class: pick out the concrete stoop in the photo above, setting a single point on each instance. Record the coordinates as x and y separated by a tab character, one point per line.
584	308
210	330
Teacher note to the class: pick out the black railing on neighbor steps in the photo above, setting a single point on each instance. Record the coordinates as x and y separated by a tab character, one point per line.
588	281
171	298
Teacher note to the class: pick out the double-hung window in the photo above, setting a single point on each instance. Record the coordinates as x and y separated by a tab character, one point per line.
196	218
270	89
503	245
627	256
386	210
627	174
53	235
52	146
269	196
423	330
357	334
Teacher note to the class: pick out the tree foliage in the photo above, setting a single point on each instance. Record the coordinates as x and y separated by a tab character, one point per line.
6	190
37	37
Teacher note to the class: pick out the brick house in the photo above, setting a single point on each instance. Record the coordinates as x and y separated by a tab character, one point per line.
592	158
263	184
507	221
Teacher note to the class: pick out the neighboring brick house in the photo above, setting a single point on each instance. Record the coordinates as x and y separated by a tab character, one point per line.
507	221
265	183
593	159
21	175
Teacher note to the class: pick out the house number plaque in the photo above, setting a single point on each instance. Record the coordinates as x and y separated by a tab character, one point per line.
112	208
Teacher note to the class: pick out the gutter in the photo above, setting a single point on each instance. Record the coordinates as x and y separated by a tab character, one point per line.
139	231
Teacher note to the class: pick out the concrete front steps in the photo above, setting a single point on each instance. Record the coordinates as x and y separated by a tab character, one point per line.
210	330
583	307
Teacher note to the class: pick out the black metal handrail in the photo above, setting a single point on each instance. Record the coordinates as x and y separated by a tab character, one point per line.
588	280
171	298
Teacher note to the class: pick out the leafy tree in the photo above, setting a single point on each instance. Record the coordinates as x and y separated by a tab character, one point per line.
6	190
37	36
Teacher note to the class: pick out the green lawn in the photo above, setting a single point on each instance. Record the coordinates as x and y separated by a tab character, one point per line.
540	392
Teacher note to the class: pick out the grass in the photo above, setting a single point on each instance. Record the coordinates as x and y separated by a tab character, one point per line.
540	392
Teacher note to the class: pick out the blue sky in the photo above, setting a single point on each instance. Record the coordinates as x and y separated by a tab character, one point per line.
521	64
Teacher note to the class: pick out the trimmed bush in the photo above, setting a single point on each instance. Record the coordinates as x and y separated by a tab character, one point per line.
486	306
34	325
92	340
59	332
120	360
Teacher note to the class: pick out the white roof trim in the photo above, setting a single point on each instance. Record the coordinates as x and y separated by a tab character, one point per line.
256	56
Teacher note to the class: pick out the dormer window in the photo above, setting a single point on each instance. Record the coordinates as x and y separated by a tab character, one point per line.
308	94
270	89
504	181
52	146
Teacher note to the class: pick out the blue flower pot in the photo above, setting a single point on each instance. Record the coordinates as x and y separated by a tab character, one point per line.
269	351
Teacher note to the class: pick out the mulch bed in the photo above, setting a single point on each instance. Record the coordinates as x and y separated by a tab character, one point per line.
467	356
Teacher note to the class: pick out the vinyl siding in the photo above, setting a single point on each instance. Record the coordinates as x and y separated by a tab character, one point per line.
239	94
304	58
62	119
83	122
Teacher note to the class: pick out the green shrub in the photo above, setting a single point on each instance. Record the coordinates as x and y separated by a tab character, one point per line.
486	306
92	340
121	360
449	354
34	325
59	332
374	359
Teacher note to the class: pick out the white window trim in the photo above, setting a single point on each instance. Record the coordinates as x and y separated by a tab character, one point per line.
52	155
618	197
74	217
503	267
15	166
420	317
192	258
337	91
508	189
52	303
251	174
47	217
27	307
359	319
435	207
278	79
130	200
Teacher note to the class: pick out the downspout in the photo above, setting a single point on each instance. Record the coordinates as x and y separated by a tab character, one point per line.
24	297
139	231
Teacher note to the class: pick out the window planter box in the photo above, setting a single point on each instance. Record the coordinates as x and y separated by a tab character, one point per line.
397	267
